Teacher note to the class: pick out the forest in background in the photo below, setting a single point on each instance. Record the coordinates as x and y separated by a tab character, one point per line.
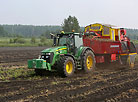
37	31
30	30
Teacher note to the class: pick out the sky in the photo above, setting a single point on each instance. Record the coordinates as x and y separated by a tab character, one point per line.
122	13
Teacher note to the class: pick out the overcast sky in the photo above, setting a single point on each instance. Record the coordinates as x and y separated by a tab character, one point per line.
122	13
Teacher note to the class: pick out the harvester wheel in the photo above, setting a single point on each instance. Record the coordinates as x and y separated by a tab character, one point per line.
126	62
88	61
131	63
66	66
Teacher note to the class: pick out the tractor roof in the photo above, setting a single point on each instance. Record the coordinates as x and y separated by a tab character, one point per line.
108	25
68	33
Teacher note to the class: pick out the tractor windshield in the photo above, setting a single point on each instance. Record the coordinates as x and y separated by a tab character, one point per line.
65	40
62	41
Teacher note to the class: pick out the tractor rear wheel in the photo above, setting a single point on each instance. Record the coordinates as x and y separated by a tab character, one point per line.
66	66
88	61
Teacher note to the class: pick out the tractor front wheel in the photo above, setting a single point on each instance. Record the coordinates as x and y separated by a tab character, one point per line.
66	66
88	61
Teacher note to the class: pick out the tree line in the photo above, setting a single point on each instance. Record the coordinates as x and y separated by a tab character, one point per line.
29	30
69	24
132	33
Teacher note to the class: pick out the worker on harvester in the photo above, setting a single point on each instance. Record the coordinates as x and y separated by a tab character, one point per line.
123	36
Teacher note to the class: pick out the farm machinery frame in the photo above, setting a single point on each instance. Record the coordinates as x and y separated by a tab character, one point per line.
110	44
100	43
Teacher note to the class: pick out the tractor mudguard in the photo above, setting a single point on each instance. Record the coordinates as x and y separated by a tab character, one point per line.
84	49
70	56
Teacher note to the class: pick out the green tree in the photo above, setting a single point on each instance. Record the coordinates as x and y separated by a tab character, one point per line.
11	41
71	23
33	40
43	39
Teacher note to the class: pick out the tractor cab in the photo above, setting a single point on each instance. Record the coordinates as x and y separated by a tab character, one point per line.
71	40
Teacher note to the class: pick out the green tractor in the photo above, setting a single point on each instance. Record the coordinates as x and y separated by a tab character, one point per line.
67	55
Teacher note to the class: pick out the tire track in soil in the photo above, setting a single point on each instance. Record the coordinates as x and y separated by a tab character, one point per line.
16	86
130	95
109	91
25	83
62	86
65	95
72	83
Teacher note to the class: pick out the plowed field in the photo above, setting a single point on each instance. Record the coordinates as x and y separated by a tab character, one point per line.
19	84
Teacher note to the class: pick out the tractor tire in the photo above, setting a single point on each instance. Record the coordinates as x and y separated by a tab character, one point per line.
66	66
88	61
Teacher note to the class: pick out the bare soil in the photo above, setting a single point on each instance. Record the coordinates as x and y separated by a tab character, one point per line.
103	85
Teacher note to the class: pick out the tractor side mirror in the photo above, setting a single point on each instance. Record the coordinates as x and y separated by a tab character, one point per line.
52	35
54	41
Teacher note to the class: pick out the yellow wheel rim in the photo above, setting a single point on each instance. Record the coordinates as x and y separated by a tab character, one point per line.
89	62
69	67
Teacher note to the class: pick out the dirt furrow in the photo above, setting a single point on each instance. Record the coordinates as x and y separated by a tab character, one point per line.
130	95
80	88
58	85
109	91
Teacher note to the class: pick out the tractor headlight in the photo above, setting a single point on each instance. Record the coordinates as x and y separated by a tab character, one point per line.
47	56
